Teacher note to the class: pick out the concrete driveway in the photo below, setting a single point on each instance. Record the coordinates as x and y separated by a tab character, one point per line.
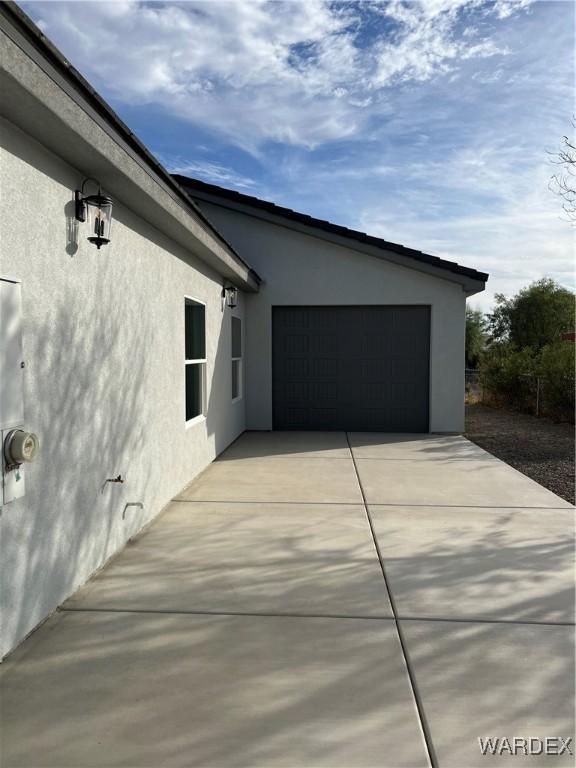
316	599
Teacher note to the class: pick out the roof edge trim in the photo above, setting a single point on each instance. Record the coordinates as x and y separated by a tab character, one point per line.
200	188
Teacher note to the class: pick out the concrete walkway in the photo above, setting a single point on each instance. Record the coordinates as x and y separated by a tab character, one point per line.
315	599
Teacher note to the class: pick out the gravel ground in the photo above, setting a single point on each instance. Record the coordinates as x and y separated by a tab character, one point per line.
539	448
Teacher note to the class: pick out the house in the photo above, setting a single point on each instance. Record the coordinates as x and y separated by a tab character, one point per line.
207	313
347	331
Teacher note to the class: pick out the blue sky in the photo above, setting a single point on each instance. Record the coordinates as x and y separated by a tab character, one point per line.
426	123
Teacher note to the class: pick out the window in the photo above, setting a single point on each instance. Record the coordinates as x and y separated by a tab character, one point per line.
236	358
195	343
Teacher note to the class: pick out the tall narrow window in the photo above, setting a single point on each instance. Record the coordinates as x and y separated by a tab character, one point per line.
236	358
195	342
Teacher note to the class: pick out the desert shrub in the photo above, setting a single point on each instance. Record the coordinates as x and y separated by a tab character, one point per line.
511	377
507	374
555	365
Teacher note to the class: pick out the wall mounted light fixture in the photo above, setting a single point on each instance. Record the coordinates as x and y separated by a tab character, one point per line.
97	210
230	295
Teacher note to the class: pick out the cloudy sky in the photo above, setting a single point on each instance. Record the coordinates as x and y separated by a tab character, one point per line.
426	123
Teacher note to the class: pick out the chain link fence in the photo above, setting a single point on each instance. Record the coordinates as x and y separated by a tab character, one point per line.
538	395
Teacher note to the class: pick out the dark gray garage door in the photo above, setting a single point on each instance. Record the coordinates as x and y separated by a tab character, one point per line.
351	368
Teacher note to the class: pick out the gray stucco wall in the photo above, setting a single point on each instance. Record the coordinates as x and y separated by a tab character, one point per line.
301	269
103	338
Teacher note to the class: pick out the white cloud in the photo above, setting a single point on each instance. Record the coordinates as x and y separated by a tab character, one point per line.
424	122
211	172
292	72
505	8
519	237
428	43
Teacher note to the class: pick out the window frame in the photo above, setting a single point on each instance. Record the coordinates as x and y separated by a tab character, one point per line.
238	360
196	361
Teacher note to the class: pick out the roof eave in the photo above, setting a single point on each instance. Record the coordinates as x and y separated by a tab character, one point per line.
471	280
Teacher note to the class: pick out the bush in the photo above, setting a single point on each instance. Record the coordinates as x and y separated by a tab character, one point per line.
507	374
555	365
520	378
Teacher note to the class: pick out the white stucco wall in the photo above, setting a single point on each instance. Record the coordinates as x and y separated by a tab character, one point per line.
299	269
103	338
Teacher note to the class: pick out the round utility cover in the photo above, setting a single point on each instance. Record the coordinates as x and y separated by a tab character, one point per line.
22	446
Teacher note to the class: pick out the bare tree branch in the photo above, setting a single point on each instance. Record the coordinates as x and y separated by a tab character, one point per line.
563	183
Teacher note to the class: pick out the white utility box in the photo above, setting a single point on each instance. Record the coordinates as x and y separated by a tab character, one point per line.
11	382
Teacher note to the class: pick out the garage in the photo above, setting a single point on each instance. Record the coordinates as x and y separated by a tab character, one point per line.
347	331
351	368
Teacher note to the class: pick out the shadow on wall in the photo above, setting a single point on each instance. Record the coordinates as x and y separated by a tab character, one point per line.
93	387
86	361
224	421
94	402
69	238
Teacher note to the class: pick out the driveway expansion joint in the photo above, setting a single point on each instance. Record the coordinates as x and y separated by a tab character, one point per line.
248	614
371	504
481	620
410	672
220	458
340	616
268	503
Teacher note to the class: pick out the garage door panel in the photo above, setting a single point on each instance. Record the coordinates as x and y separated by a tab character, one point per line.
297	391
324	344
296	344
295	417
295	368
324	391
371	416
323	368
323	418
296	318
301	392
351	368
375	391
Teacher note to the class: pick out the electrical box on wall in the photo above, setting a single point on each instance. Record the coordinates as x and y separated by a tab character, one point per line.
18	446
13	486
11	362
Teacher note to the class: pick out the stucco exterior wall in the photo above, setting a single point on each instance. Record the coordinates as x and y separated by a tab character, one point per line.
299	269
103	341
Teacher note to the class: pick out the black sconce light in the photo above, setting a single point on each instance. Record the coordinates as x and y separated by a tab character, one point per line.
97	210
230	295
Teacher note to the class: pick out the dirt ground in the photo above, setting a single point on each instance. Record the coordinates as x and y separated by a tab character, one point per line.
539	448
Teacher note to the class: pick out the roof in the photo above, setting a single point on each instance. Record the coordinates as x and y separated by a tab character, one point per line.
39	47
197	186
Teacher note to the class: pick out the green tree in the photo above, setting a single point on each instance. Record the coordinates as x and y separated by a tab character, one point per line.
534	317
475	336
